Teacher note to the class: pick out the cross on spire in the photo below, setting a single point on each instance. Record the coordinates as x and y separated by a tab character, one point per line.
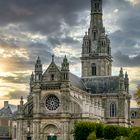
53	58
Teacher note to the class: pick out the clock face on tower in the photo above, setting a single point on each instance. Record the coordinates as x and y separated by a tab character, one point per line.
52	102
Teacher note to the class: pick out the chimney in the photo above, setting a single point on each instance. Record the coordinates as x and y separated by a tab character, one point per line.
6	103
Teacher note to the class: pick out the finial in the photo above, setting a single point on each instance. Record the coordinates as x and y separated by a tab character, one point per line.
126	75
32	77
65	59
38	60
53	58
85	33
21	98
121	72
21	101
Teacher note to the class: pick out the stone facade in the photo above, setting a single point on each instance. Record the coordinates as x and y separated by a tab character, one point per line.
135	117
58	98
56	101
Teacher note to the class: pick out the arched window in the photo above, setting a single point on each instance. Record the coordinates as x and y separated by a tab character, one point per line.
52	77
97	6
94	35
113	110
133	114
93	69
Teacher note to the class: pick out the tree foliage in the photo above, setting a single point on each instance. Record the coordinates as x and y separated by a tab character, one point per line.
92	136
135	134
137	95
83	130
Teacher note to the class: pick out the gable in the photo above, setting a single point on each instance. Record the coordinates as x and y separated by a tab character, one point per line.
52	73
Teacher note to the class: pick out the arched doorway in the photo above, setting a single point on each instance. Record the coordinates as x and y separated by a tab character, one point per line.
50	132
52	137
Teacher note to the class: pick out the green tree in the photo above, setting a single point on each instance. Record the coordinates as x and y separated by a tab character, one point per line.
137	95
92	136
135	134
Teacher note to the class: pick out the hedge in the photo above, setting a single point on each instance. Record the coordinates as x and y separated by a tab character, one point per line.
83	129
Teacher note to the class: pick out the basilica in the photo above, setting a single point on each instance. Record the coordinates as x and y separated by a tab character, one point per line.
58	98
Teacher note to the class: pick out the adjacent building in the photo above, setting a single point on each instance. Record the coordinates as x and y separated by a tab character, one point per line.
7	114
135	117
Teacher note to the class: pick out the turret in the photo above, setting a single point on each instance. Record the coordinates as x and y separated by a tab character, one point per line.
21	101
126	83
38	70
32	80
121	75
65	69
121	81
86	45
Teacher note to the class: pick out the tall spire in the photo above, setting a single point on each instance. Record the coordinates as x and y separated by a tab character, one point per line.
96	15
96	51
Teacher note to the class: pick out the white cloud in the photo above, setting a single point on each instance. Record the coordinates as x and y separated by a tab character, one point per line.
63	50
134	2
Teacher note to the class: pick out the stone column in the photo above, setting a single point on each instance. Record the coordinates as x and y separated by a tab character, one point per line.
129	114
36	130
20	130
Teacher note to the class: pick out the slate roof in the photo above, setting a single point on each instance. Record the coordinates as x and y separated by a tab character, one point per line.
8	111
77	82
102	84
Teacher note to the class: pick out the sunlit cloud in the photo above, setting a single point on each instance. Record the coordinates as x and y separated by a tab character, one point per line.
134	2
67	50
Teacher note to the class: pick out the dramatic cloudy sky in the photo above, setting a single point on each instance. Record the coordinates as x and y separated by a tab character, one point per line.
31	28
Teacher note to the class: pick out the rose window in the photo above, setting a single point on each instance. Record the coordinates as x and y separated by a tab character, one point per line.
52	102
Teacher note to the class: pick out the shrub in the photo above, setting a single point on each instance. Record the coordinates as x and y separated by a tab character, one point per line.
111	132
120	138
135	134
92	136
99	130
117	138
123	131
83	129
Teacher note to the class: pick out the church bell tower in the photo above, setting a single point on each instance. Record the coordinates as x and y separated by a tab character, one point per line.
96	51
